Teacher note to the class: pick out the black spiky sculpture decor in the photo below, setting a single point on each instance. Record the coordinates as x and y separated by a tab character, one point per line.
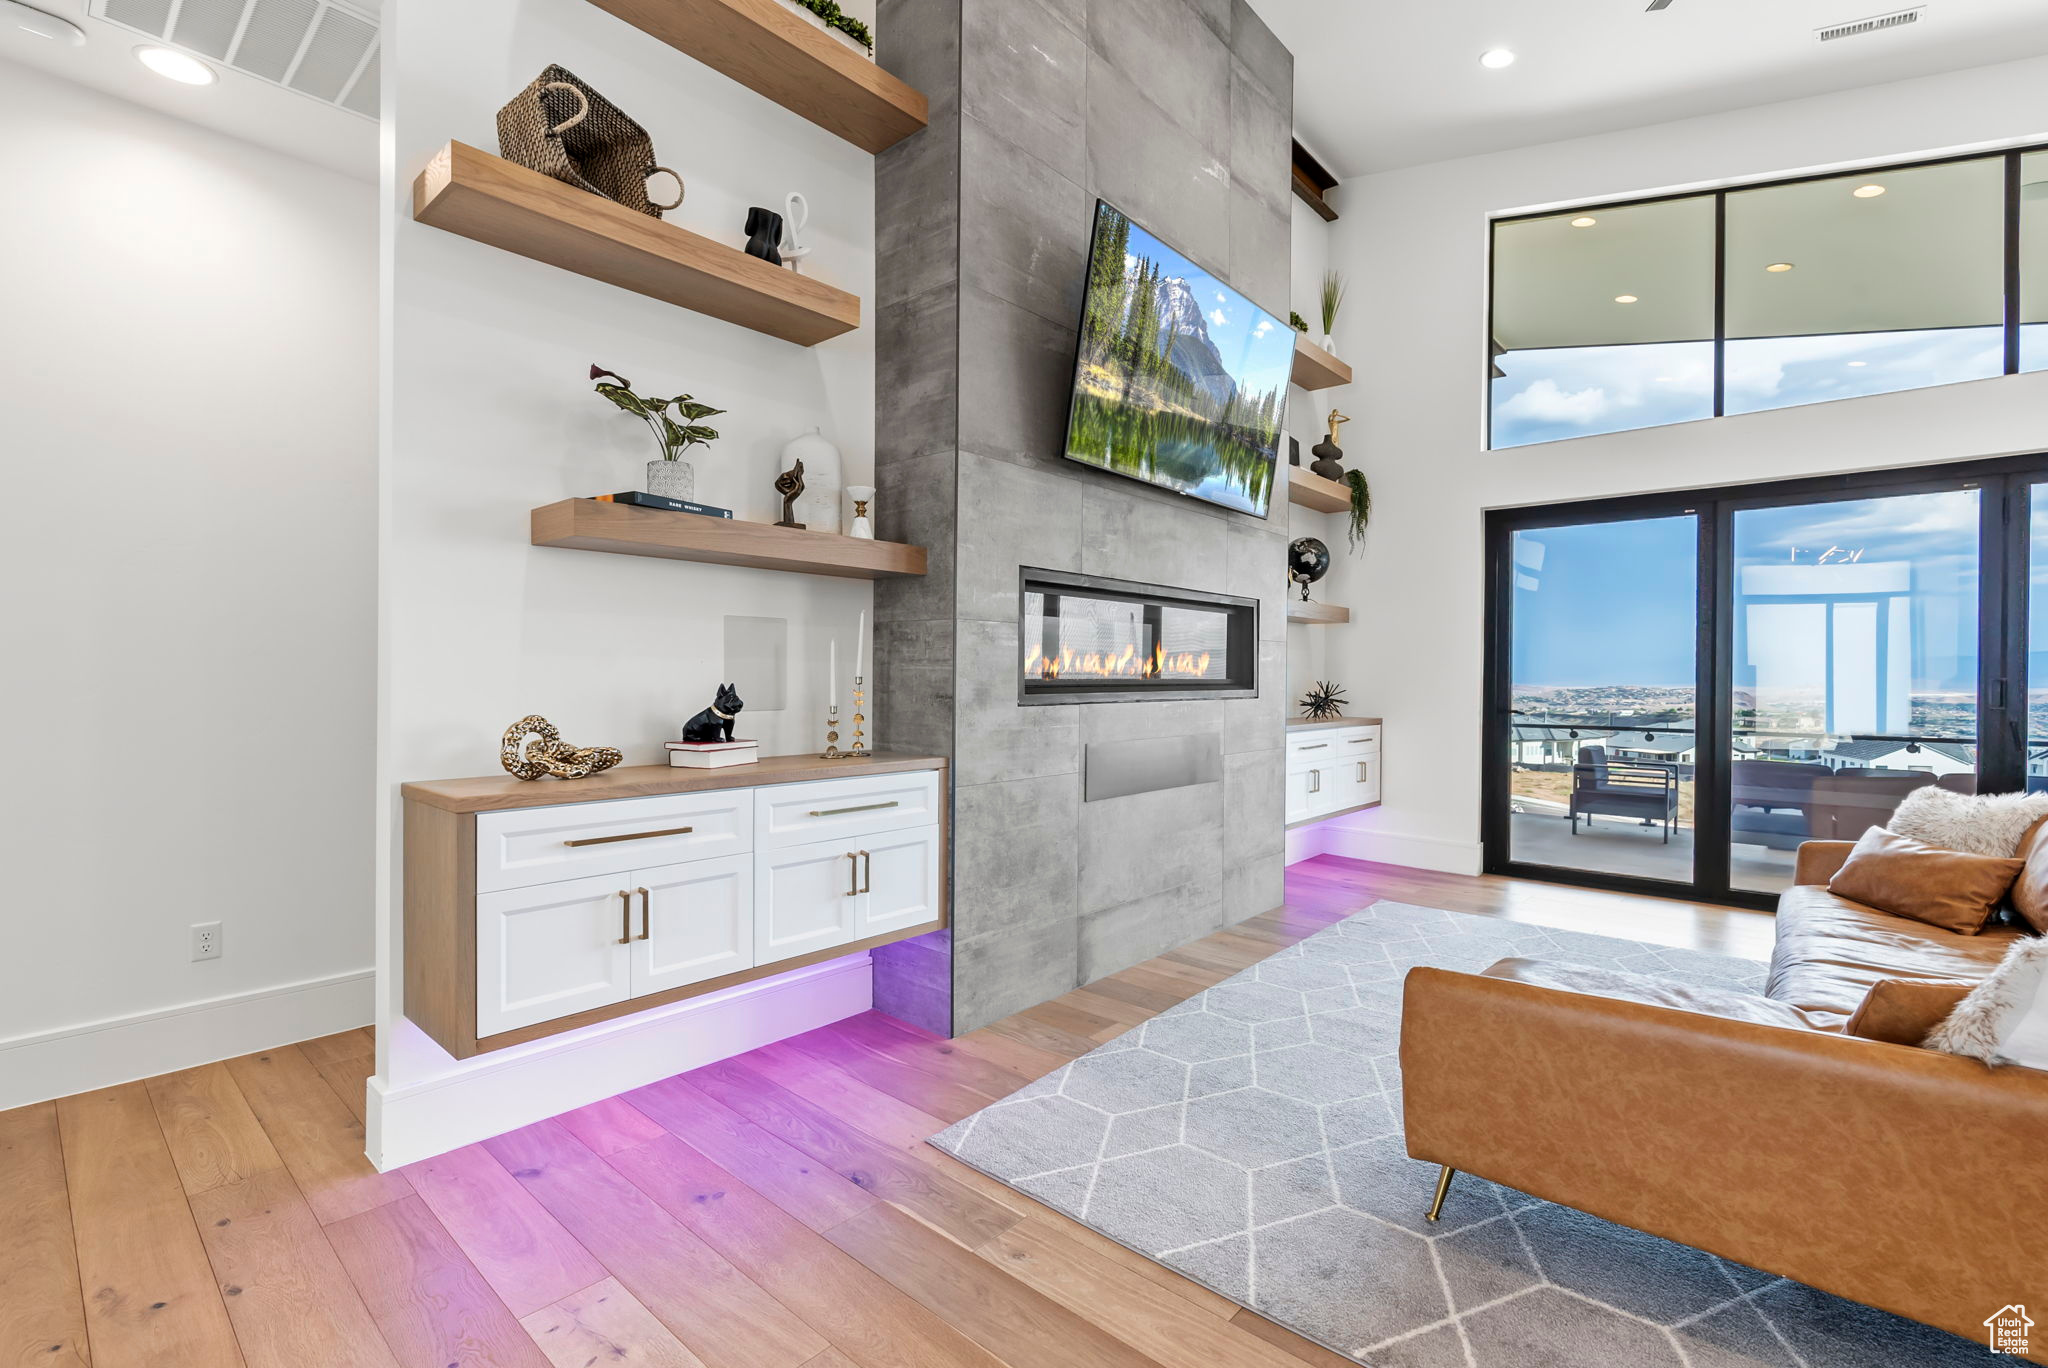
1324	701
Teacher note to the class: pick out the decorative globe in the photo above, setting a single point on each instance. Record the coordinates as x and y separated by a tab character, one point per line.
1308	560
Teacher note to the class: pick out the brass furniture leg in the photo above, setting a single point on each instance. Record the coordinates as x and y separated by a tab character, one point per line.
1443	1190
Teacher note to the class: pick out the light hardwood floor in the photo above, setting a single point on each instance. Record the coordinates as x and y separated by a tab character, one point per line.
776	1210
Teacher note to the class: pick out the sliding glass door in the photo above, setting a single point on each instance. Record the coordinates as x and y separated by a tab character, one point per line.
1603	694
1855	668
1682	689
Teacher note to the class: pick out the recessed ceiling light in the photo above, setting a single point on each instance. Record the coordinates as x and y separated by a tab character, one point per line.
1584	221
1493	59
1779	267
29	19
1624	299
176	66
1867	191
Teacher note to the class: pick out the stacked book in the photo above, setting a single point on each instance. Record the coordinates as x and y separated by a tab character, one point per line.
712	754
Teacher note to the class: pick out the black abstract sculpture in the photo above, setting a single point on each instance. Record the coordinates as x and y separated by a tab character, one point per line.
790	485
715	722
1323	702
764	235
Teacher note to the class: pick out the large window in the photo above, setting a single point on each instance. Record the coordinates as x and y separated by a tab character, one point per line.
1615	317
1685	687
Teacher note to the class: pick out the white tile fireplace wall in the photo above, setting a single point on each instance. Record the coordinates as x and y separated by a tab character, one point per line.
983	223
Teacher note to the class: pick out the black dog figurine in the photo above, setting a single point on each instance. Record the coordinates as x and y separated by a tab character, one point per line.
764	235
715	722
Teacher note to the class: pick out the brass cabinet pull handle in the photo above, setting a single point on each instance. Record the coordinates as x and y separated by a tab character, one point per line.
646	916
867	882
1315	781
630	836
863	807
1320	745
625	918
852	874
1362	776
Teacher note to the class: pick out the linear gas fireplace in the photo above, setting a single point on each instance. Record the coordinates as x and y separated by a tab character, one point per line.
1092	640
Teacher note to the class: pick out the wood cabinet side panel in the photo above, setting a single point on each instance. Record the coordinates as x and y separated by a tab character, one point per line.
440	925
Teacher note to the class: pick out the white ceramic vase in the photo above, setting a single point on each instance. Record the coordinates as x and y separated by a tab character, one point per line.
1329	345
860	512
672	480
818	508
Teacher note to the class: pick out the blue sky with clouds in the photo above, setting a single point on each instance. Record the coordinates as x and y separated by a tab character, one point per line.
1564	392
1614	603
1257	348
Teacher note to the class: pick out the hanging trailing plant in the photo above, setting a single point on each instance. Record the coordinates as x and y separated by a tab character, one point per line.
1361	507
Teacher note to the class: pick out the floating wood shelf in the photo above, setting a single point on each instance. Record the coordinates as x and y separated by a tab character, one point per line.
773	51
1317	614
628	530
1310	490
476	195
1315	368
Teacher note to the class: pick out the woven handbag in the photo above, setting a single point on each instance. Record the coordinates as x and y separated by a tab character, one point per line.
561	127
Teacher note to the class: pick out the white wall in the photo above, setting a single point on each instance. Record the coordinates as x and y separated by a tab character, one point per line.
1307	411
1415	244
188	425
490	415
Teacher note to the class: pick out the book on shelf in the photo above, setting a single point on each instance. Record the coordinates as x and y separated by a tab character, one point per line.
712	754
640	500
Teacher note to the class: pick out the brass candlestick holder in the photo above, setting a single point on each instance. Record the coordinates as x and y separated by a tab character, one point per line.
832	751
859	749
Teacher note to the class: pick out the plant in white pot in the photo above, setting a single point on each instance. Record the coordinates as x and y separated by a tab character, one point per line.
671	477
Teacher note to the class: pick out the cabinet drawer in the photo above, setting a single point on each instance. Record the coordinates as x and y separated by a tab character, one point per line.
528	846
1335	743
787	815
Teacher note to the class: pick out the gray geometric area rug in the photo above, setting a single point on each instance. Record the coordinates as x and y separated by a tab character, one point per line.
1250	1138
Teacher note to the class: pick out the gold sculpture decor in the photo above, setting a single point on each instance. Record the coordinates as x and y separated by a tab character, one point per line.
548	754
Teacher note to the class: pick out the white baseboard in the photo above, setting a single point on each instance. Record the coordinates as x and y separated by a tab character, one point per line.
1304	843
1392	847
507	1089
98	1054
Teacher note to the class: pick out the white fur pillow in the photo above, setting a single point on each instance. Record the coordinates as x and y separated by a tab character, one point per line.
1979	823
2004	1020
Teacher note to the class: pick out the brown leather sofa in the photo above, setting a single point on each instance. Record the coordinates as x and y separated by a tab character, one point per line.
1753	1127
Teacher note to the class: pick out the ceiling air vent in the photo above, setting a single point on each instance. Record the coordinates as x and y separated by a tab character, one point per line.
1856	28
320	48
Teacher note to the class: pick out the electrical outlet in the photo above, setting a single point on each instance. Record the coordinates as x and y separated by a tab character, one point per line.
205	940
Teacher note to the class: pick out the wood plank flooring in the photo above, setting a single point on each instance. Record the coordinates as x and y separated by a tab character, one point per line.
775	1210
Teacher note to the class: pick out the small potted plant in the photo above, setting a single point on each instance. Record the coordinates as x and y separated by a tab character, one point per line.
671	477
1332	300
827	15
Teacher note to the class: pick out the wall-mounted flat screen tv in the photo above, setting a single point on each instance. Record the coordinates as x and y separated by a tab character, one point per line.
1181	381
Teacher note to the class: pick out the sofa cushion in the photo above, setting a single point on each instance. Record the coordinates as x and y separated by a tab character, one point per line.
1651	991
1944	888
2030	890
1903	1011
1831	951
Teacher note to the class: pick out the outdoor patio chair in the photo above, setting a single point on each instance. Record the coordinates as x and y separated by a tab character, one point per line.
1608	788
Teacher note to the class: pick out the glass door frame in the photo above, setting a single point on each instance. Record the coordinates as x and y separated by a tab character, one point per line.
2002	592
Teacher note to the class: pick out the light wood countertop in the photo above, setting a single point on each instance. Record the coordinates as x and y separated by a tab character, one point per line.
498	792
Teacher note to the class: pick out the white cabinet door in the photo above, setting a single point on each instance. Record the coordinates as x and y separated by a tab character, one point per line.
805	898
552	951
899	882
1363	779
693	922
1308	792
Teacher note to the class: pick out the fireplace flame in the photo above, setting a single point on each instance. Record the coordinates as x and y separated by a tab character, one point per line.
1124	664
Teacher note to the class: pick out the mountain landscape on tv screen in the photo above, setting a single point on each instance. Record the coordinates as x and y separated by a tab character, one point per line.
1181	381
